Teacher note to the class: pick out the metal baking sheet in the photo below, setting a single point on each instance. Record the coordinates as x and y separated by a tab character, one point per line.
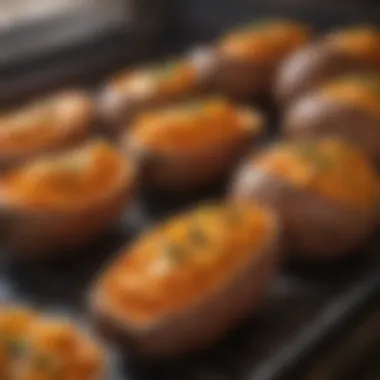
306	305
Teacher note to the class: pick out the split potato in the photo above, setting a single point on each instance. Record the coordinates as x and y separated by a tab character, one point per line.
58	348
187	146
45	125
187	282
347	107
340	52
15	325
62	201
243	62
141	89
325	190
33	346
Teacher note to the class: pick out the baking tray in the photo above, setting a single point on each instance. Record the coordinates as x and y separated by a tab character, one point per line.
306	306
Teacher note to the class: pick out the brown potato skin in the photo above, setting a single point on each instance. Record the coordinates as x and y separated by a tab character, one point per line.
310	66
33	234
199	325
317	116
187	171
237	78
315	229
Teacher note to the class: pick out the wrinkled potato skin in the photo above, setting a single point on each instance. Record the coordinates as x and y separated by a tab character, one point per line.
310	66
316	116
314	228
199	325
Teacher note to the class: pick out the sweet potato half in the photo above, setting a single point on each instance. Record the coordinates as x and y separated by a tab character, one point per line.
182	285
59	202
337	53
46	125
244	61
190	145
34	346
325	190
145	88
347	107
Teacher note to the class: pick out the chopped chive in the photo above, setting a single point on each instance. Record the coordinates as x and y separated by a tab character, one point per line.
45	363
197	235
175	253
15	348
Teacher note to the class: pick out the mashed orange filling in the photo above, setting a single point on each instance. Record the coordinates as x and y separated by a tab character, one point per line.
74	178
265	41
59	350
193	125
362	42
177	263
358	91
44	122
327	167
168	79
15	324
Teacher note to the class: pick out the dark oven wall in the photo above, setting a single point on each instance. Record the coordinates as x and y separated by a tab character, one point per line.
200	20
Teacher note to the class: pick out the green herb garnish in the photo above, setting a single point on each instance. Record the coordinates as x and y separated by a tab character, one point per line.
165	69
45	363
175	253
197	235
15	348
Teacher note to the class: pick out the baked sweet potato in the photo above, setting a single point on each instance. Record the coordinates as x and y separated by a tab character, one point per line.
325	190
15	324
34	346
43	126
62	201
340	52
181	286
141	89
347	107
57	348
188	146
244	61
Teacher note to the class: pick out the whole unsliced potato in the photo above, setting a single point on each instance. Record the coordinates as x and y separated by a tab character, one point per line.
190	145
61	201
145	88
243	62
182	285
45	125
347	107
337	53
325	190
